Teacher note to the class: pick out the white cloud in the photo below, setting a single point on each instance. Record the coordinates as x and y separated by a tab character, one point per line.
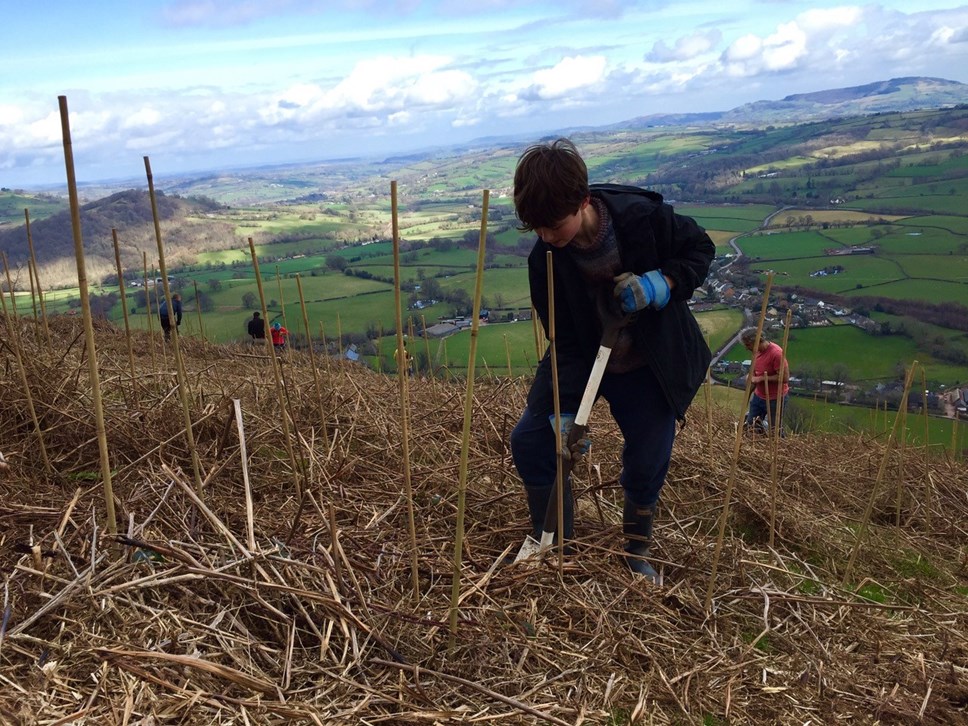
393	84
10	115
782	50
685	48
815	21
569	75
145	116
328	81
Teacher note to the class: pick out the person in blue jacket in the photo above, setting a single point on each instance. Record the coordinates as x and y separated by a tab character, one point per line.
618	253
165	318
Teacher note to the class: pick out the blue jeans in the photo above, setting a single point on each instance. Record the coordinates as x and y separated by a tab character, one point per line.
758	410
648	427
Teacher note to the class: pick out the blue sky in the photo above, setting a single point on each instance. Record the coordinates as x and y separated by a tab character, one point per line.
202	85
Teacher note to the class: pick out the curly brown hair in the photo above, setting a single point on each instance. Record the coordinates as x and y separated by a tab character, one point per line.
550	183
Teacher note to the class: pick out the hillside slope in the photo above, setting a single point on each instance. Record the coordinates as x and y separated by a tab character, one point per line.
185	228
244	602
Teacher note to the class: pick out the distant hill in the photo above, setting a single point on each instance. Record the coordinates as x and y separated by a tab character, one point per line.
897	94
129	212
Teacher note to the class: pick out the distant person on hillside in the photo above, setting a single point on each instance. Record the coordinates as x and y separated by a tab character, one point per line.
279	335
165	318
619	253
407	357
770	373
257	327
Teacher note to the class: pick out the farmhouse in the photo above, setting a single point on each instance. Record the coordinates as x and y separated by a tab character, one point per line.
442	330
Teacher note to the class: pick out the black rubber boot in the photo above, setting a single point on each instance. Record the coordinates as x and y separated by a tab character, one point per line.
538	505
637	525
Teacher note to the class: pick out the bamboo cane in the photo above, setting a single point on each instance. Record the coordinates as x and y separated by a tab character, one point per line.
928	493
708	395
34	288
339	335
15	343
954	437
43	304
124	303
282	299
426	339
277	376
198	310
13	297
899	480
507	354
737	446
410	335
468	407
180	372
404	391
312	358
322	337
536	331
553	354
102	440
36	271
379	350
924	411
862	529
151	332
775	431
443	348
33	297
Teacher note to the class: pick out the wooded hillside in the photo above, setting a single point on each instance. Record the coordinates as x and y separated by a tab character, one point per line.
185	228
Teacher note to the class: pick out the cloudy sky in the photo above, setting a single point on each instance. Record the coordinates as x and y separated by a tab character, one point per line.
215	84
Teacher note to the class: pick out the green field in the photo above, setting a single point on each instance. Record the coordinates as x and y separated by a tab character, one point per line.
859	271
934	291
729	218
13	204
823	416
788	245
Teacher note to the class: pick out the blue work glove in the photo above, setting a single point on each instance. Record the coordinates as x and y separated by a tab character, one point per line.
637	292
580	447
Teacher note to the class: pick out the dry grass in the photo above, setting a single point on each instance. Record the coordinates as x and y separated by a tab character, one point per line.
181	621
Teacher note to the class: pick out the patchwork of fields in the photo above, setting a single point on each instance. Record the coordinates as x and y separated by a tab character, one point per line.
863	183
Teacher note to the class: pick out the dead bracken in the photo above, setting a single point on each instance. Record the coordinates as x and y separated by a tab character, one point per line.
189	616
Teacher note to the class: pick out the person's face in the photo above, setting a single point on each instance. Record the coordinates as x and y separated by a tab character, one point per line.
563	231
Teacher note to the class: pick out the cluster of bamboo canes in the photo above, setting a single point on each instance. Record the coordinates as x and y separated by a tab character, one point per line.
298	467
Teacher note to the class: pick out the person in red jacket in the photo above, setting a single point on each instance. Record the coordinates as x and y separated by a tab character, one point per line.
279	335
771	378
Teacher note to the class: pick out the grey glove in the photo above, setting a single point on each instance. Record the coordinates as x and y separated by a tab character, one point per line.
578	448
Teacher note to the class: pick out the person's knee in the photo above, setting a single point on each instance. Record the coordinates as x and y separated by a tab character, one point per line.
519	443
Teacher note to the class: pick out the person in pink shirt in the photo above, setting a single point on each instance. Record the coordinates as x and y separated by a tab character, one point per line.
771	379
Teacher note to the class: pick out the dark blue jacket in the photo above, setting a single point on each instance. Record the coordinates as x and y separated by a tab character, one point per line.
650	235
176	305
